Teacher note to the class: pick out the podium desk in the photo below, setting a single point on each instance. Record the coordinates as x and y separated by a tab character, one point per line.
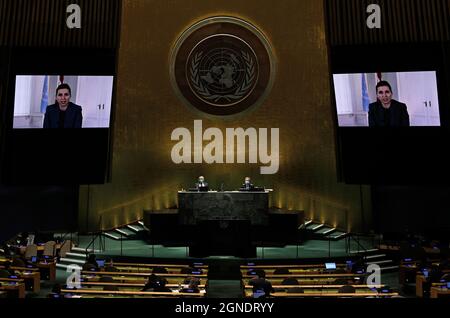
194	207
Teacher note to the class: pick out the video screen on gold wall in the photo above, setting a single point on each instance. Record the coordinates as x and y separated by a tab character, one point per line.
396	99
62	101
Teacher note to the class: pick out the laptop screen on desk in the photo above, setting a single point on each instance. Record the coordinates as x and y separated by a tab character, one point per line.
330	265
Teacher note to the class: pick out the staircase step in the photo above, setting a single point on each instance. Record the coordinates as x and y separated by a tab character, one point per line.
80	249
374	256
314	226
365	251
390	268
141	223
65	235
112	235
124	231
325	230
65	266
71	261
337	235
61	266
380	262
76	255
135	227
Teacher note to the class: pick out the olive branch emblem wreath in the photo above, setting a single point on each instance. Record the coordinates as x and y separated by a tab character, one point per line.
241	91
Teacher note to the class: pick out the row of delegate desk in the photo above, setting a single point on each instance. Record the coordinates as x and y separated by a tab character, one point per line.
410	271
14	288
39	247
130	278
312	279
436	289
46	268
26	278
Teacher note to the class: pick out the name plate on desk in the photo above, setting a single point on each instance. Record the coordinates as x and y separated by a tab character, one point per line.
227	205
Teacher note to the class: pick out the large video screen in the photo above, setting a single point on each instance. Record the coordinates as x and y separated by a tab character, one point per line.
400	99
61	101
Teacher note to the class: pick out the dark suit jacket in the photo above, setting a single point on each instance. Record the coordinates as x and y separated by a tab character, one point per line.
261	284
398	115
250	187
73	117
205	185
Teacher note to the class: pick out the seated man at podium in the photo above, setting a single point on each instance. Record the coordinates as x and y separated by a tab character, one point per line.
248	185
201	185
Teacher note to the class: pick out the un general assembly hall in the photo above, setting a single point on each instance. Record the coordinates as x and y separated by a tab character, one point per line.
251	154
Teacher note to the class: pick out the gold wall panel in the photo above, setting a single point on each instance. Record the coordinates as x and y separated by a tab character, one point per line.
148	110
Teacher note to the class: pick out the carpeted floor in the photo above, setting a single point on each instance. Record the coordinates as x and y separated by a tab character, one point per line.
309	249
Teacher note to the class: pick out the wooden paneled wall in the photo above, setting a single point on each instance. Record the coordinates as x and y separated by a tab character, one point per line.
42	23
402	21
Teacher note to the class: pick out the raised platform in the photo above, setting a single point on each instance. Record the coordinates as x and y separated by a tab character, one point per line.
226	236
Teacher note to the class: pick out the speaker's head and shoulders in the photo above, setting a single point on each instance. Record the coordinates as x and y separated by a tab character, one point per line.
247	185
386	111
63	113
63	96
201	184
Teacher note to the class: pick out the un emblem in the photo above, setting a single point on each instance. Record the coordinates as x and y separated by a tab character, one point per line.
222	66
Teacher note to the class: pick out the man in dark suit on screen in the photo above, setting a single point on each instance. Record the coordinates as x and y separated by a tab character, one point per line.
387	112
64	113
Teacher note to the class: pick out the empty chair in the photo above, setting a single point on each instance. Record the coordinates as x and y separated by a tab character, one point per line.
49	249
186	270
56	291
295	290
347	289
340	281
435	274
65	248
17	262
111	288
106	279
6	250
7	269
444	263
4	273
290	281
340	271
445	277
30	251
281	271
159	270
